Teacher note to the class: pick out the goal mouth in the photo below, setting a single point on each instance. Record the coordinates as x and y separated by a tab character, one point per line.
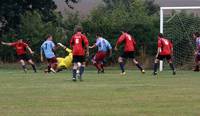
178	24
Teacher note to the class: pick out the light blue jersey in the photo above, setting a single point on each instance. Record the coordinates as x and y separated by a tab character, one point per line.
47	48
103	45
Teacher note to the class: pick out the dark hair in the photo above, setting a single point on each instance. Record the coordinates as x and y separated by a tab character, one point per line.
197	34
160	35
49	35
78	29
98	34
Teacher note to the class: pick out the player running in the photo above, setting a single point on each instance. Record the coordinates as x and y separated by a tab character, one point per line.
129	51
48	48
78	43
21	47
103	48
64	63
197	51
165	51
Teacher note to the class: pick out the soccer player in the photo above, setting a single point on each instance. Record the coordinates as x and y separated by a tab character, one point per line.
128	52
197	51
48	48
79	43
164	51
64	63
21	47
103	48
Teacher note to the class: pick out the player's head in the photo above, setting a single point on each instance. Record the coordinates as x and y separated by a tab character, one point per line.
20	40
78	29
160	35
98	35
49	37
196	34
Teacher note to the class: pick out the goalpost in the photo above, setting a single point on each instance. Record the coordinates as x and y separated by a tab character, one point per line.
176	21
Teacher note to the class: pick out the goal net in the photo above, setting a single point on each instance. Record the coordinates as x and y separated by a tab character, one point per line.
178	24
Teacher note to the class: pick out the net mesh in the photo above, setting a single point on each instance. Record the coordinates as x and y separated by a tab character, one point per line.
179	26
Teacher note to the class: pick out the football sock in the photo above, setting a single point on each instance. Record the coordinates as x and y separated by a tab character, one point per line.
102	67
139	66
33	66
122	66
24	67
82	68
74	73
172	66
155	67
96	65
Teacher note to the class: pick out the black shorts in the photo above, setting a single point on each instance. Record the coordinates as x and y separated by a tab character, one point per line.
128	54
24	57
77	59
162	57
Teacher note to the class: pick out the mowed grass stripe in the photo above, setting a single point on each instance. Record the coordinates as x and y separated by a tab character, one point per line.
108	94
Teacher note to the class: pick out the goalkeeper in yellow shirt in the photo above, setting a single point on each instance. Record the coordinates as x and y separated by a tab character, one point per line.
64	63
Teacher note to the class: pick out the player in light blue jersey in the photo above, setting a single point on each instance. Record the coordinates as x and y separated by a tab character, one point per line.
48	48
103	48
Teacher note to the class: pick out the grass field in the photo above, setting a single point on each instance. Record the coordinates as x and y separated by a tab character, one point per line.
108	94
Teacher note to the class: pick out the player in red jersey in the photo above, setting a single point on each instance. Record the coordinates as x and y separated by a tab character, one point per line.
165	51
79	43
21	47
129	51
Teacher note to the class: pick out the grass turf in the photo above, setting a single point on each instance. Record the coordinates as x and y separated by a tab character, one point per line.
108	94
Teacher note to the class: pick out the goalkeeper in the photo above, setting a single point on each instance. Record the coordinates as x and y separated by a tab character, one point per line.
64	63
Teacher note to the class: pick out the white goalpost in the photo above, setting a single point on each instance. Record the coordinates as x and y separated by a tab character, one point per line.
182	23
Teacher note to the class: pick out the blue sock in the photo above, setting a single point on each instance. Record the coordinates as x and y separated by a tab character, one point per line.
155	67
82	70
122	66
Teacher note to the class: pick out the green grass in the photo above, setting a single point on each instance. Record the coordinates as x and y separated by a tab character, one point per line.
108	94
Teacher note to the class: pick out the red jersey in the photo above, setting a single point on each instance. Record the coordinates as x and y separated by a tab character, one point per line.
78	43
20	47
129	42
165	45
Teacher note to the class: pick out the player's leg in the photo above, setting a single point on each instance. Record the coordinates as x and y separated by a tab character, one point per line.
155	67
197	62
102	67
170	61
94	61
22	62
75	67
122	64
30	61
82	69
138	65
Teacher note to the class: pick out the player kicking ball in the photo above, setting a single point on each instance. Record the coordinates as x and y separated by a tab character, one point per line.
129	51
48	48
64	63
165	51
79	43
103	48
21	47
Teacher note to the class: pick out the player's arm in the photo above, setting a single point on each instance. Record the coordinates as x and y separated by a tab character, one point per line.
85	39
119	41
91	47
41	54
61	45
158	51
8	44
29	49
